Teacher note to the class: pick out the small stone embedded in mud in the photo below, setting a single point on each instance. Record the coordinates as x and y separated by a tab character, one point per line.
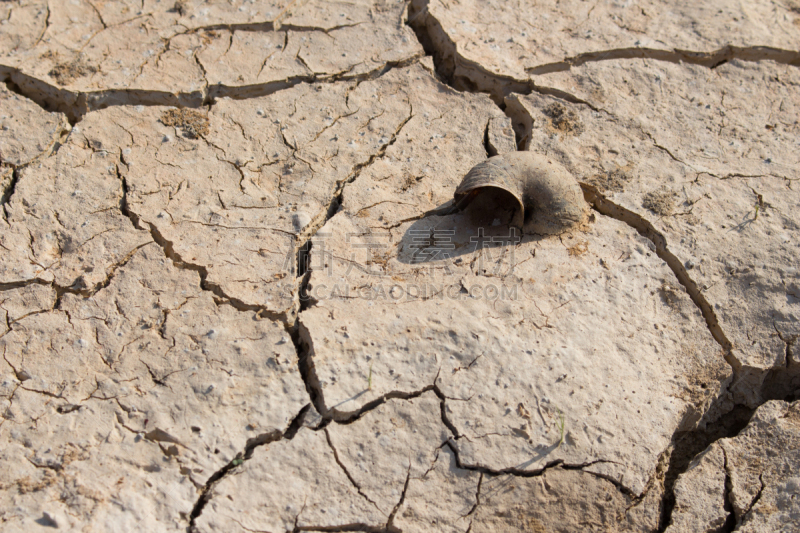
193	123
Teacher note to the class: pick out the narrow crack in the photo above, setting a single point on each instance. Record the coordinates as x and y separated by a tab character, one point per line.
730	521
91	291
477	497
76	104
302	343
124	206
99	15
344	469
789	342
443	402
656	480
466	75
13	285
264	27
341	417
46	24
336	198
710	60
667	151
686	446
390	522
243	456
169	251
365	528
205	75
75	289
300	335
9	190
755	499
516	472
487	145
645	228
205	284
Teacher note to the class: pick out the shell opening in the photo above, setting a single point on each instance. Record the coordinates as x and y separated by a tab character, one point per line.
488	206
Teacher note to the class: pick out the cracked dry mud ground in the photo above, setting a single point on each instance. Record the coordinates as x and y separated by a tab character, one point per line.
227	304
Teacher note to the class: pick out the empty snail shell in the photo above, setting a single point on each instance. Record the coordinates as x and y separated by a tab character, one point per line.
549	199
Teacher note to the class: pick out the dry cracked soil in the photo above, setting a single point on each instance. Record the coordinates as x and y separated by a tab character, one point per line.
233	295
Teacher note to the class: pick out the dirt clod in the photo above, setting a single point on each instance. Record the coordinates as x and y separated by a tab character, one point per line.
661	202
613	181
64	73
563	120
193	123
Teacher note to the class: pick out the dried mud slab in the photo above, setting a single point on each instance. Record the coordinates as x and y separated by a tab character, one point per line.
89	56
328	476
443	139
738	119
315	40
442	498
231	299
62	221
555	501
27	132
23	24
137	394
20	302
500	136
327	481
232	191
514	331
748	482
516	337
709	159
495	45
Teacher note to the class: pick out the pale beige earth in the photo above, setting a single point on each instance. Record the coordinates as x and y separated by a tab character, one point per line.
234	296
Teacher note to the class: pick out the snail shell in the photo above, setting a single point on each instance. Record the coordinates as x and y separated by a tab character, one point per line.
549	199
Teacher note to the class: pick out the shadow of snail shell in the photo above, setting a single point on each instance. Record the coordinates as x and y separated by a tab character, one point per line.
549	199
